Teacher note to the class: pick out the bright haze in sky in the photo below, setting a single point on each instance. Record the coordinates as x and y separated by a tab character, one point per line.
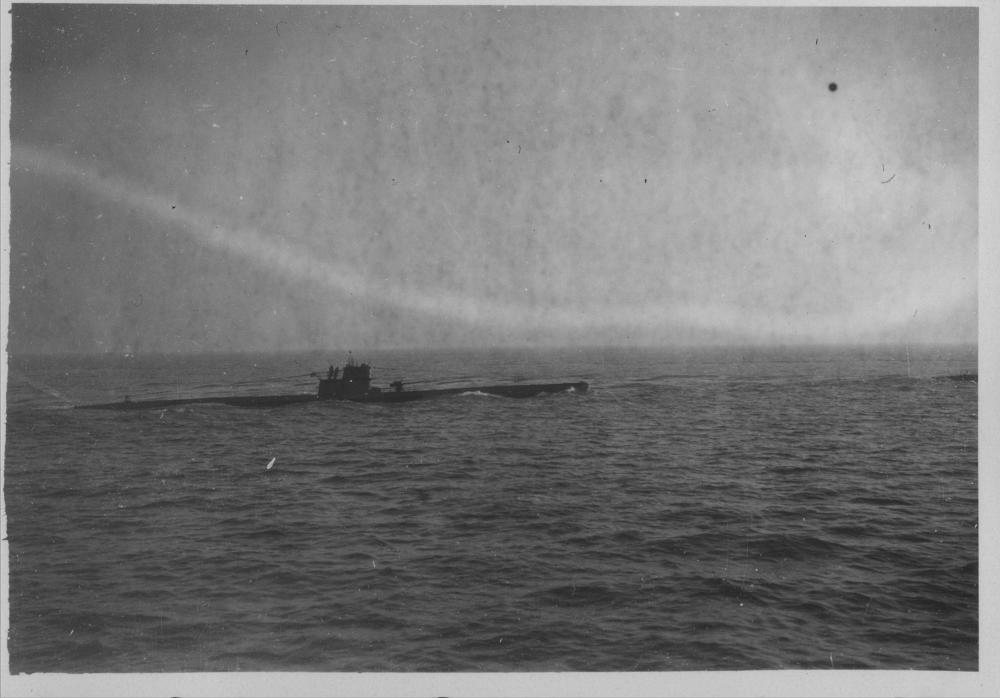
215	178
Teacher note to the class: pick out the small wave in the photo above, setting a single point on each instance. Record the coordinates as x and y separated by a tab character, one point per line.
899	382
812	607
285	579
795	547
88	649
577	595
265	533
729	587
666	376
850	530
881	501
970	568
555	527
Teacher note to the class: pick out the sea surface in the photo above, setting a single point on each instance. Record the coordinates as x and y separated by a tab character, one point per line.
709	509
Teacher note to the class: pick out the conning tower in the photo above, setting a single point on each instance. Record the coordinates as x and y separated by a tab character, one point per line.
353	383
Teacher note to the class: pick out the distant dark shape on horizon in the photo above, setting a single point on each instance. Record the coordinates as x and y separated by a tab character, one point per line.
833	87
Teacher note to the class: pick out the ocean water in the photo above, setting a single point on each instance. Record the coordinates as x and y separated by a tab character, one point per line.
716	509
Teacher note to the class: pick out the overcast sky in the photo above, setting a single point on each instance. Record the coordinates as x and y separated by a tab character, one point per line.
215	178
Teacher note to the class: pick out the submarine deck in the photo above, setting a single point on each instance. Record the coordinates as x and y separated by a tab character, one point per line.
513	390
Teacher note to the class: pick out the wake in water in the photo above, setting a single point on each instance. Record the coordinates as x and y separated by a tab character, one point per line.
42	389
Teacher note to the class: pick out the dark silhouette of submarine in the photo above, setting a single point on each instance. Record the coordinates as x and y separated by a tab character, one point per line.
354	384
965	376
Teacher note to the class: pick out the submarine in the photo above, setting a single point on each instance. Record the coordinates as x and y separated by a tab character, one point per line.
354	385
